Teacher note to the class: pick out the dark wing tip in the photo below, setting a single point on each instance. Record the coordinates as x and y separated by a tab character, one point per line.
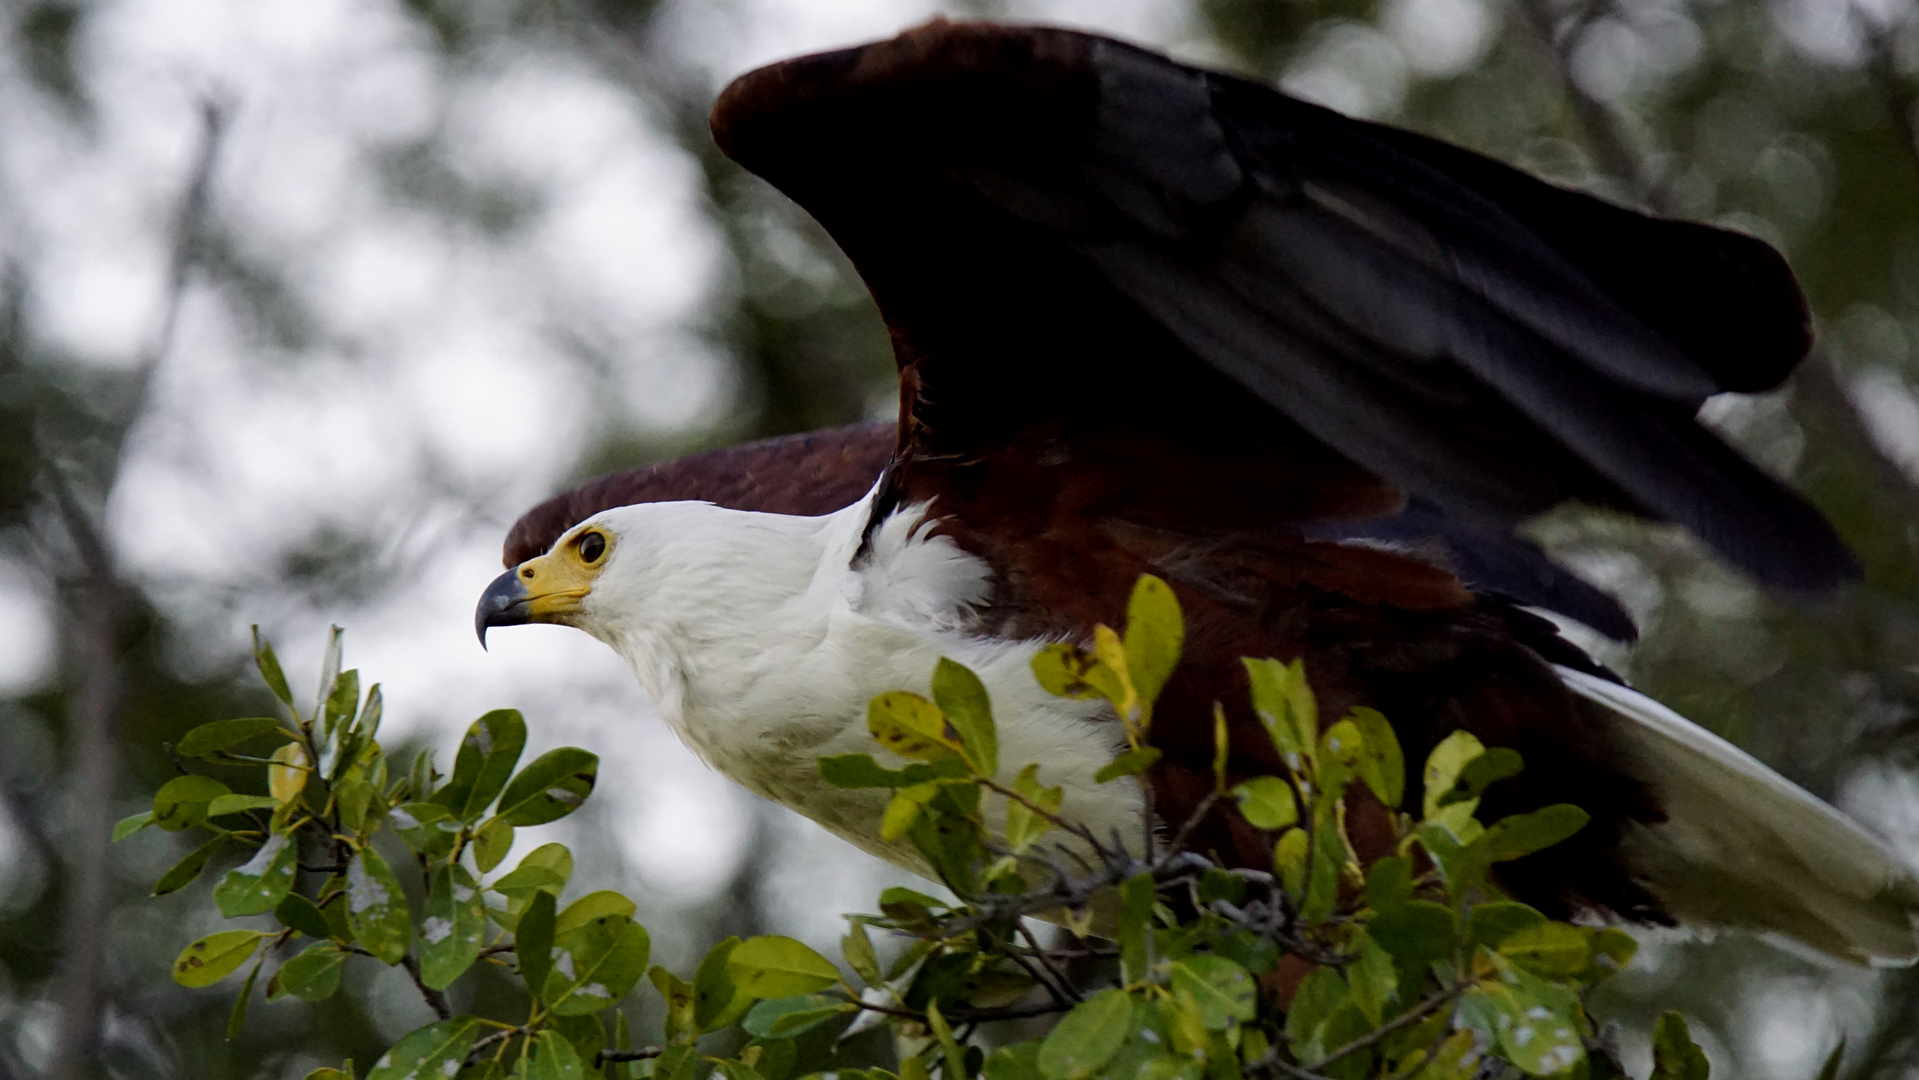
766	109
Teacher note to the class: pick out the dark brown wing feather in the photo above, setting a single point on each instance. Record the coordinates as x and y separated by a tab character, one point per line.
1055	223
811	474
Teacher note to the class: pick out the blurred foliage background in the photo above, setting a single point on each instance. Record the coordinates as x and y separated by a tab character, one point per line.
302	301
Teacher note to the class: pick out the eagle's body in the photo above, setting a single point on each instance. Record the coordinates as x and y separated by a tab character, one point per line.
1311	372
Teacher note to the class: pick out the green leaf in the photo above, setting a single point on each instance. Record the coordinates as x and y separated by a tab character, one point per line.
427	827
127	826
1494	922
1328	860
962	697
603	961
533	942
1155	634
1024	826
432	1052
1373	979
353	797
1674	1055
955	1058
240	804
1552	949
454	929
1444	764
1320	994
1069	671
717	1000
1537	1023
783	1018
181	802
313	975
183	872
339	1074
299	913
1523	834
237	1019
491	844
215	956
1130	763
525	880
859	771
1019	1061
911	726
1283	700
1266	802
486	758
776	967
1289	862
552	786
680	997
1087	1037
376	907
553	1058
903	809
587	908
1389	883
857	948
258	885
270	670
1497	763
1224	991
209	739
1383	767
1416	933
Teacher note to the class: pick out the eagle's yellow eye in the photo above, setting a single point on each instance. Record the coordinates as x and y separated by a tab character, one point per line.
592	546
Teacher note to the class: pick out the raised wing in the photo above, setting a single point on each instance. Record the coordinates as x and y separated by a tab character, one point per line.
1073	236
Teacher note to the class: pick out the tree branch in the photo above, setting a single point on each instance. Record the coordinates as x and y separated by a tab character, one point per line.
102	603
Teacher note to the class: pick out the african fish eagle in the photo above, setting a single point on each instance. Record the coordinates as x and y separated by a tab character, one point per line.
1310	371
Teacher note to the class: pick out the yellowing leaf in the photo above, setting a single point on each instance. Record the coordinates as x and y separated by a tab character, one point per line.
215	956
904	808
1444	764
288	776
1111	650
1069	671
776	967
1155	634
1289	862
910	726
1284	703
1266	802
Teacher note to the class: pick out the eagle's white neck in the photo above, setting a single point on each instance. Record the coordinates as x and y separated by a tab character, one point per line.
761	641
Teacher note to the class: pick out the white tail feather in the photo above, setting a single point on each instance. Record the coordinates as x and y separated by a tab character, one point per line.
1742	846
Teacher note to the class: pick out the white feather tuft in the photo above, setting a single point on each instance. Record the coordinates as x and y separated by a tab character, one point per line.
1742	846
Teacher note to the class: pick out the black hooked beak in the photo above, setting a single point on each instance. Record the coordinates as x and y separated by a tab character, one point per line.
504	603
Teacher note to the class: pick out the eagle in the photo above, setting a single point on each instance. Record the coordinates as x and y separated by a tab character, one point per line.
1314	373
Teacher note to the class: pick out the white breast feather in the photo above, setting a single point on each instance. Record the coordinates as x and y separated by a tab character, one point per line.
761	643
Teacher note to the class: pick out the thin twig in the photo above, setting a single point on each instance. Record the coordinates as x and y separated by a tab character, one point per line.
1403	1020
605	1056
435	999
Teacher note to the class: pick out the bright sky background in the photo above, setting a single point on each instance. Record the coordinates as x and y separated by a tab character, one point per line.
442	391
